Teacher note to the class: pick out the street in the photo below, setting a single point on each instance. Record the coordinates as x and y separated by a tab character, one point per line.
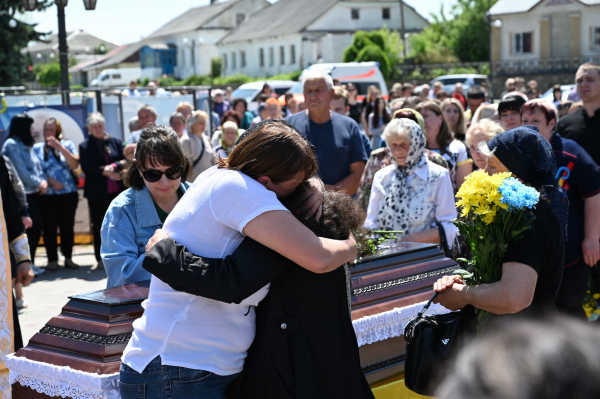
48	293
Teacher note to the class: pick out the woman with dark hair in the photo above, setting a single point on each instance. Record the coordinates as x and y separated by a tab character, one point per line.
455	117
556	95
355	108
532	266
378	119
156	181
240	105
102	160
18	147
185	343
441	140
266	89
509	110
59	161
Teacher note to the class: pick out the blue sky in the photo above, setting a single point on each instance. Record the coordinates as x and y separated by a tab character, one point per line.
126	21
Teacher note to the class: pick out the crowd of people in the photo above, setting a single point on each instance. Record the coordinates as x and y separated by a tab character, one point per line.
402	159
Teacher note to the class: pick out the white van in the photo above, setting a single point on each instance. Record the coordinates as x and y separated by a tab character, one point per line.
362	74
250	91
117	77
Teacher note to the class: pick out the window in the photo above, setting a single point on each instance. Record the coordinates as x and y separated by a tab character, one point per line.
233	61
261	57
281	55
596	39
239	18
522	43
225	61
355	13
292	54
385	13
271	56
116	76
242	59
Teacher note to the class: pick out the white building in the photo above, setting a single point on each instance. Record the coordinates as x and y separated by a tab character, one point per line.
292	34
194	34
542	33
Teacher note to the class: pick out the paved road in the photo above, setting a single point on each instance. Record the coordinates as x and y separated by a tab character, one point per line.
49	292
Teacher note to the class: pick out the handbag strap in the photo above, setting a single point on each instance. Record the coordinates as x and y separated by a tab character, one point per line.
427	305
201	153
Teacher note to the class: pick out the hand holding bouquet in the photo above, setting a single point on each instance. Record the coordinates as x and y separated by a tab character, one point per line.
497	212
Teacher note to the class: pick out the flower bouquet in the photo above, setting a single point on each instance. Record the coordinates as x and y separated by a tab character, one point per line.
591	302
496	212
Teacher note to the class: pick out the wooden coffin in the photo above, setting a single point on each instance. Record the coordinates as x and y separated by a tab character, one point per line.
93	329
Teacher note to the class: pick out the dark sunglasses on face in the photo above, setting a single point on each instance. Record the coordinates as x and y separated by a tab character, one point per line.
154	175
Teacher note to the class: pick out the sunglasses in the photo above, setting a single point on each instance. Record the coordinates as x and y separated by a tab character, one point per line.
154	175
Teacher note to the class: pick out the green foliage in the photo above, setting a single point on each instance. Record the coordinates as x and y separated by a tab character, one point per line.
216	67
383	46
196	80
295	76
99	50
464	36
374	53
48	74
144	82
368	241
13	65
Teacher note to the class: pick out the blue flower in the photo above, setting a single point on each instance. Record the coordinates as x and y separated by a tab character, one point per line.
517	195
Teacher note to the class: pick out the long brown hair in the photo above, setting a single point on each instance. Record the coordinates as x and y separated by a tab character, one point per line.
445	135
461	125
58	136
385	116
274	148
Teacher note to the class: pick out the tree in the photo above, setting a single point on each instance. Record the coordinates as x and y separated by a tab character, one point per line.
462	37
216	66
381	45
13	65
49	74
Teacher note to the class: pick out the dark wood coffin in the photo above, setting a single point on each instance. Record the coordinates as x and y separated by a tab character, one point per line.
93	329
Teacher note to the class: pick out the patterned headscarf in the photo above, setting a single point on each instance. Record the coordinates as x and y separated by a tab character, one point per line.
418	116
395	204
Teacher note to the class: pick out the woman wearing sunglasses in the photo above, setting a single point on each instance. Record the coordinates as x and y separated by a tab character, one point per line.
156	181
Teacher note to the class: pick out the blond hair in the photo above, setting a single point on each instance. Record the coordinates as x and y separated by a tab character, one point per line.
461	124
487	127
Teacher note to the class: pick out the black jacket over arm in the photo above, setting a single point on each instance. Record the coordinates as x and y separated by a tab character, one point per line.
11	208
305	346
91	155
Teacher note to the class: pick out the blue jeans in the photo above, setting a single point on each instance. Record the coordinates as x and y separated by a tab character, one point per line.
171	382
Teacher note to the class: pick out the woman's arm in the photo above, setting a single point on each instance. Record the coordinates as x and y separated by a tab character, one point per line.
431	236
462	171
229	280
513	293
120	253
591	242
71	157
283	233
16	157
374	202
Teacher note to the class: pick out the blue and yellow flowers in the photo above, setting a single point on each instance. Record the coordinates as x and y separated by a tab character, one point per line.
496	212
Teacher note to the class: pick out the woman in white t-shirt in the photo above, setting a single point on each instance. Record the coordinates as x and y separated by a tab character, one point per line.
186	346
441	140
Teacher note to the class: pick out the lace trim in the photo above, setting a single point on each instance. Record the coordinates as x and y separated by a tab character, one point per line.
390	324
55	381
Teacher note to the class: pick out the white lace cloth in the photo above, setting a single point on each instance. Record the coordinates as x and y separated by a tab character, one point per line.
54	381
59	381
390	324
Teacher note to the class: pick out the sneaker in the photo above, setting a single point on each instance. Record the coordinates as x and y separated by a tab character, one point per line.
52	266
99	265
21	304
37	270
69	264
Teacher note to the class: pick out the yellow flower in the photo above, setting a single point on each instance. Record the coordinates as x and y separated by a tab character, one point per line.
479	195
596	296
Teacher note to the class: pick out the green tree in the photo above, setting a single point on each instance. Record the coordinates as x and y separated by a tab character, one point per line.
101	49
49	74
13	65
383	46
463	36
374	53
216	67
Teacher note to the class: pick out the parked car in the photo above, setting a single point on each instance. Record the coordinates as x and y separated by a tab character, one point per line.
566	89
250	91
362	74
468	80
117	77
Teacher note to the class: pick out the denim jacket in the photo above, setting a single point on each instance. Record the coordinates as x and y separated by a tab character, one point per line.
129	223
26	164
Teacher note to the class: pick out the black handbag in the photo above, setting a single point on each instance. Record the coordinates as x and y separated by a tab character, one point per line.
430	341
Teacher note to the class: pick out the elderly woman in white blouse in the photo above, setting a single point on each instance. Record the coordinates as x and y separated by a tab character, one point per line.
413	194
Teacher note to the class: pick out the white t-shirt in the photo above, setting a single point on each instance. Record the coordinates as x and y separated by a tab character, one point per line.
191	331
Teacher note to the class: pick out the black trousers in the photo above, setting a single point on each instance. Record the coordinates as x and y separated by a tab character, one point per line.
35	231
58	211
572	290
98	208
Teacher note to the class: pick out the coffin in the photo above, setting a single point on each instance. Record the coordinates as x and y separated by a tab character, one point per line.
93	329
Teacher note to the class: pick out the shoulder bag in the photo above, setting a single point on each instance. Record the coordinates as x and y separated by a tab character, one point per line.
430	341
201	153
